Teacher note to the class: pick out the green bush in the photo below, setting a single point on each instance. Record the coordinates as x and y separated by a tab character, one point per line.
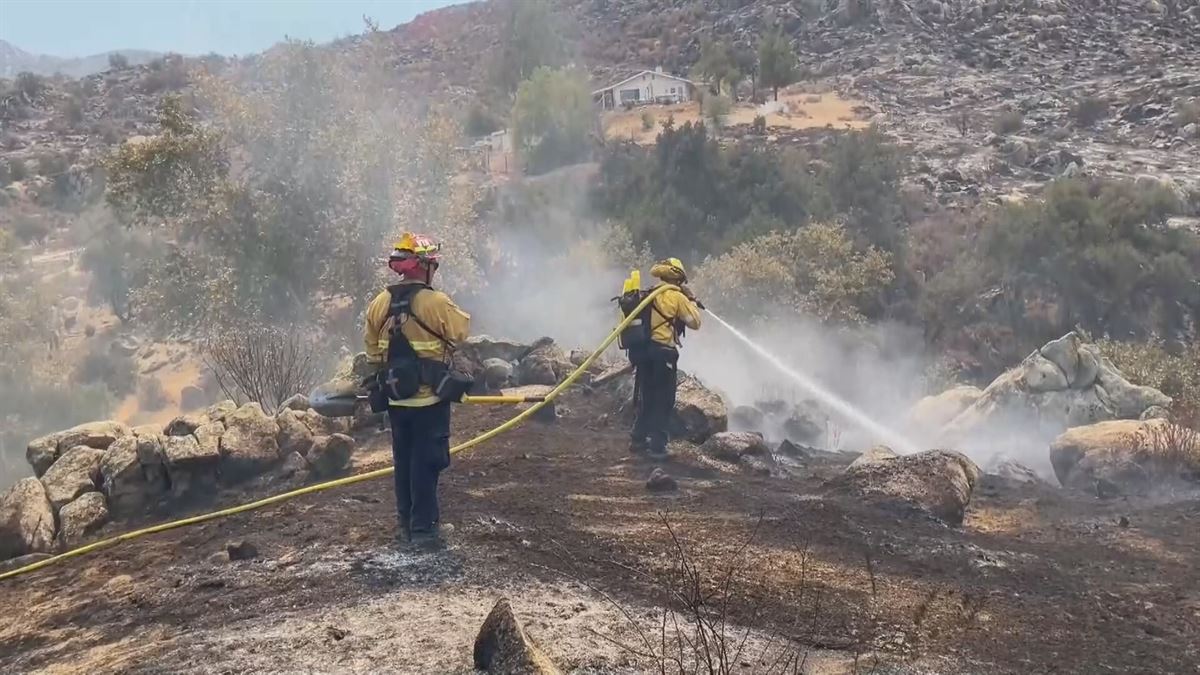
647	120
759	126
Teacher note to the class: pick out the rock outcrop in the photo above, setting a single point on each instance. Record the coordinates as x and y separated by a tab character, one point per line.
249	445
732	446
330	455
545	363
81	518
936	482
76	472
1064	384
26	520
503	647
699	412
934	412
1127	456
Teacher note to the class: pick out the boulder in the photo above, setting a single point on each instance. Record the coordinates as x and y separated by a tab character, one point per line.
82	517
97	435
217	411
1131	456
804	425
545	364
26	520
296	402
746	418
76	472
185	425
122	479
878	453
936	482
699	412
496	374
192	397
934	412
320	425
661	481
503	647
294	435
151	456
294	468
1066	383
41	452
1011	470
191	469
731	446
480	348
577	357
330	455
248	446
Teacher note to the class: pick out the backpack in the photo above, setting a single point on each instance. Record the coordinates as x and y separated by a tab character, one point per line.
404	372
637	338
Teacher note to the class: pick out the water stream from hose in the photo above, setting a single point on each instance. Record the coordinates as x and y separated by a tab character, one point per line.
852	414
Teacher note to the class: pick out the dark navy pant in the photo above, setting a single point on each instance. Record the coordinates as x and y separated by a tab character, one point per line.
655	381
420	450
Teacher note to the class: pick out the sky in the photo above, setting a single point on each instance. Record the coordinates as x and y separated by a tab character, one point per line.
71	28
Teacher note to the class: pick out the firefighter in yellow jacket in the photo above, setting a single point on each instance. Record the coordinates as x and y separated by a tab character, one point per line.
655	367
410	334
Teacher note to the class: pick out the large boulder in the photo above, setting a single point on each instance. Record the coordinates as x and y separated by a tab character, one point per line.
82	517
934	412
699	412
877	453
294	434
26	520
185	425
217	411
330	455
42	452
731	446
76	472
503	647
936	482
480	348
496	374
1128	456
122	479
192	465
1064	384
248	446
546	363
97	435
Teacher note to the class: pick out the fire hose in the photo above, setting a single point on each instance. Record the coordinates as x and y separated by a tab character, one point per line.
349	480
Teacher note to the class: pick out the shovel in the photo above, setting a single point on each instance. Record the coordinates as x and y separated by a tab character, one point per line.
343	404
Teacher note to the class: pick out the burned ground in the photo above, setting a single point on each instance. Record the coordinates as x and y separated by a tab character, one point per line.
558	518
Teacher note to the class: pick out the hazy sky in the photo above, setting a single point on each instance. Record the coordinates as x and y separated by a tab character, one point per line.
85	27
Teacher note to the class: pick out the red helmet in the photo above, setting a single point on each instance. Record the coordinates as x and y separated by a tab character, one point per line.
413	254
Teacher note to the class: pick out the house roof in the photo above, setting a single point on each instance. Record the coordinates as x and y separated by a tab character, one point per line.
638	74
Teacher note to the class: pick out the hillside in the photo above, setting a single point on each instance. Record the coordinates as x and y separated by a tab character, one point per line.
14	60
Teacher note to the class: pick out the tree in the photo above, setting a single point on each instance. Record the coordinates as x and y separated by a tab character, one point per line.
552	119
117	61
716	109
776	61
531	40
717	64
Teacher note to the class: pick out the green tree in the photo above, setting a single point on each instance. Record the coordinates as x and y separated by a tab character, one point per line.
862	179
776	62
716	109
117	61
717	65
531	39
552	119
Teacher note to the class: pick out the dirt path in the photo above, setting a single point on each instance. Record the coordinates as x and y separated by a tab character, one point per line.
1037	580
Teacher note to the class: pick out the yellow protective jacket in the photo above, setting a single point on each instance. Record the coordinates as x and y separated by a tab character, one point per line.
670	305
437	311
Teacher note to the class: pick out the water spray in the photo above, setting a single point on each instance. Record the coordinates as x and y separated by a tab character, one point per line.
837	403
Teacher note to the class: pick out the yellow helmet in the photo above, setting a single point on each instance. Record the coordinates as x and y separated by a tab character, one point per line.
418	244
670	270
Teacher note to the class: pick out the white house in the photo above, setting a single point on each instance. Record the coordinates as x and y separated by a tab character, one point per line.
648	86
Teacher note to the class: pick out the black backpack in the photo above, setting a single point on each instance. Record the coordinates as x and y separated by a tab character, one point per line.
637	337
404	373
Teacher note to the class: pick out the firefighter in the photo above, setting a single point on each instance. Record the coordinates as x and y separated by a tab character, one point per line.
410	334
655	366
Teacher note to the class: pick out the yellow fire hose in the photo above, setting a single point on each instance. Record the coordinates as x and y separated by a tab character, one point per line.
349	480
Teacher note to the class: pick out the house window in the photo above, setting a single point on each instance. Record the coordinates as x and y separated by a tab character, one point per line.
672	90
631	95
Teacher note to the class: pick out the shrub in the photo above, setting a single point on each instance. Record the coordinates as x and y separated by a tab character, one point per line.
647	120
1089	110
117	61
29	228
115	371
1008	122
17	171
264	364
759	126
1171	371
716	109
52	164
